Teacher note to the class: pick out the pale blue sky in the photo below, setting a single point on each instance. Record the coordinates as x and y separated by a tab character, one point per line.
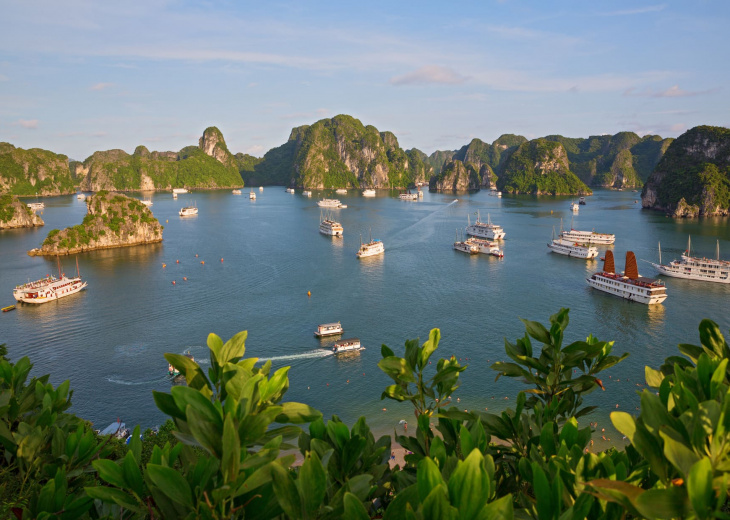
80	76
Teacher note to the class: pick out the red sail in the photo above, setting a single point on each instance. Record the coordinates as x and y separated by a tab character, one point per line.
631	270
608	266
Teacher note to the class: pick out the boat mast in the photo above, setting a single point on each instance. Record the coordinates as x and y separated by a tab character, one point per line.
689	244
78	273
660	253
717	251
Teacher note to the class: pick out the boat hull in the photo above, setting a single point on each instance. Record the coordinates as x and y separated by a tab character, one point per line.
573	251
588	237
676	272
645	295
493	232
49	294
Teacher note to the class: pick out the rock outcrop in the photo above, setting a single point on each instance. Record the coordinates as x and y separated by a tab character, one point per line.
112	220
540	167
693	177
207	166
456	176
33	172
16	214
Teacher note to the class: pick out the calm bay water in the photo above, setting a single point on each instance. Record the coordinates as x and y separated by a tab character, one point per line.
261	257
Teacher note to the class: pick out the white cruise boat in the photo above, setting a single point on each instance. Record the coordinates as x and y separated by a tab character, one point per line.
574	207
188	211
484	230
251	195
81	196
587	237
307	193
341	191
465	247
49	288
329	226
328	329
146	202
179	190
408	196
174	196
368	193
261	188
486	247
236	192
372	248
290	190
494	193
347	345
572	249
330	203
35	206
629	285
695	268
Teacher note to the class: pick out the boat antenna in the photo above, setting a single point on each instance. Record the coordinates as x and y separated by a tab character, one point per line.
717	251
689	245
58	261
78	273
660	253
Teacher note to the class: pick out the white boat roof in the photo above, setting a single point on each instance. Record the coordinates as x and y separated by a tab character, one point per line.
336	324
351	340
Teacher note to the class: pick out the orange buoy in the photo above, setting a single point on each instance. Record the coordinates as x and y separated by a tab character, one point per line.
164	265
196	255
309	294
185	278
221	259
202	262
166	221
173	282
177	261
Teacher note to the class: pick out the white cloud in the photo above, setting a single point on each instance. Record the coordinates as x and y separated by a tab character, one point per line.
27	123
429	74
101	86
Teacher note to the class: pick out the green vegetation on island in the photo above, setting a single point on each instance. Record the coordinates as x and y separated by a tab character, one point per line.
456	176
33	172
207	166
226	451
540	167
113	220
16	214
693	177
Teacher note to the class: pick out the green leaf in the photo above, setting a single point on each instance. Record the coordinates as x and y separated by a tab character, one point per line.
653	377
354	509
109	472
231	456
171	483
204	431
699	488
469	486
543	495
428	477
132	475
233	349
397	508
297	413
678	454
397	369
663	503
312	483
537	331
385	351
429	347
286	492
712	338
500	509
114	496
436	506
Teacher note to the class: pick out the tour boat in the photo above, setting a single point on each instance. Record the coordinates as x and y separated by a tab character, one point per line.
179	190
261	188
574	207
341	191
408	196
368	193
35	206
328	226
236	192
116	429
586	237
465	247
695	268
330	203
582	201
328	329
629	285
572	249
147	202
486	247
251	195
80	196
290	190
50	288
347	345
372	248
174	196
484	230
172	371
494	193
307	193
189	211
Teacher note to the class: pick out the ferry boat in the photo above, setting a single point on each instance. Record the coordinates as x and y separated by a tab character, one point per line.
329	226
251	195
330	203
347	345
408	196
290	190
372	248
147	202
574	207
629	285
586	237
179	190
486	247
236	192
572	249
582	201
695	268
81	196
465	247
494	193
174	196
189	211
484	230
50	288
328	329
341	191
36	206
368	193
307	193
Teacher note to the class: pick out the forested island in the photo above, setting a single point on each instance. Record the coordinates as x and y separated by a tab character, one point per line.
16	214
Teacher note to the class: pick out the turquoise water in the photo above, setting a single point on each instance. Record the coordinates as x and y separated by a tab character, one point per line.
261	257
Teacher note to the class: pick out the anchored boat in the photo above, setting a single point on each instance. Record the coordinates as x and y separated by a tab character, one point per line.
328	329
347	345
484	229
372	248
695	268
50	288
329	226
629	285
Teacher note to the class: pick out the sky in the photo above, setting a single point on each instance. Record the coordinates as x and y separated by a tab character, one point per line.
80	76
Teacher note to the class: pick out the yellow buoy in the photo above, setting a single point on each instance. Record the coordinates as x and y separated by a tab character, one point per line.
309	294
202	262
166	221
164	265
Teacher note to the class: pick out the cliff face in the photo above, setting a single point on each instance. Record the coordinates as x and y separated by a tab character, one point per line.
456	176
209	165
34	171
113	220
540	167
17	214
693	177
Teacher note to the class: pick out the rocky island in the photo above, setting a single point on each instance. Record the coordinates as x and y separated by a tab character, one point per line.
113	220
693	177
33	172
16	214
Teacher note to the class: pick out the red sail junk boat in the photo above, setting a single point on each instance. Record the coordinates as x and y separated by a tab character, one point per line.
629	285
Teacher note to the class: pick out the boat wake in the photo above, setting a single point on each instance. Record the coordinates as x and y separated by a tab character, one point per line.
421	221
312	354
118	381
